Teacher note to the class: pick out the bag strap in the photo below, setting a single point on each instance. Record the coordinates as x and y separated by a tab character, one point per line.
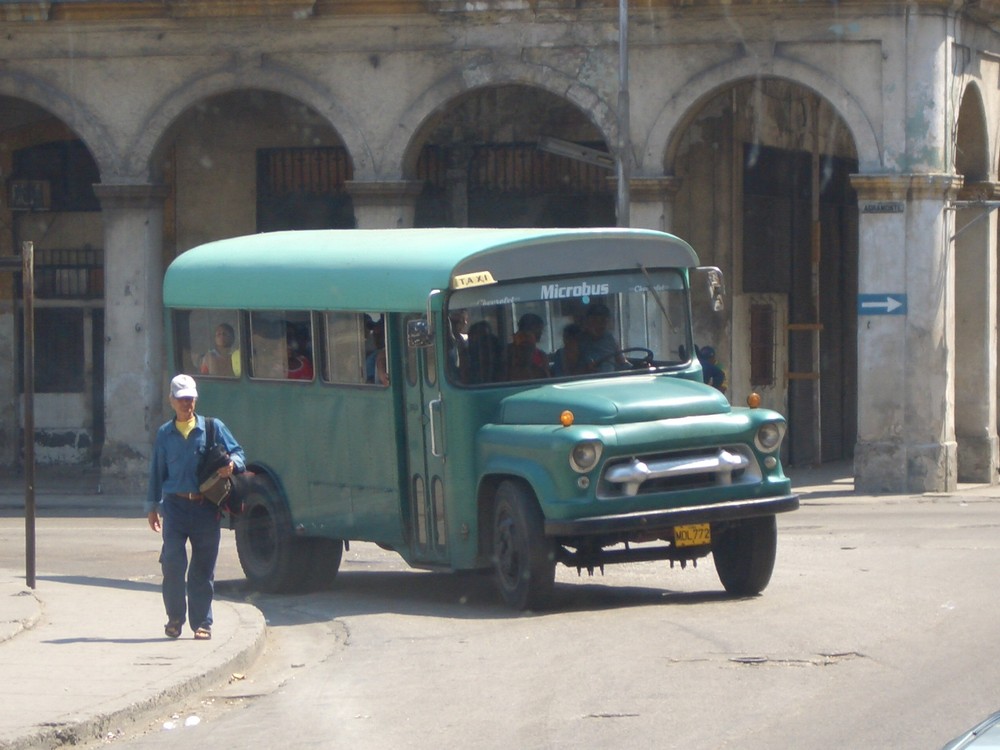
209	432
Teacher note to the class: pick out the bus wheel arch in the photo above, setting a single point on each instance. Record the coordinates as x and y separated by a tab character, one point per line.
272	558
524	560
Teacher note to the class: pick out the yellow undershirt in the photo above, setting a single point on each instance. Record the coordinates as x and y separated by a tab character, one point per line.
185	427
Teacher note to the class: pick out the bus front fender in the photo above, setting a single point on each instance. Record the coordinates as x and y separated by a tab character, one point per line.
537	454
536	476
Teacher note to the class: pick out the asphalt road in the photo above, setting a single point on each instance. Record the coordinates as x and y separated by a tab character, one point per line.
878	630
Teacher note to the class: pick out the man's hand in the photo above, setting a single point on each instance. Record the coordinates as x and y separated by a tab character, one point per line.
154	521
227	470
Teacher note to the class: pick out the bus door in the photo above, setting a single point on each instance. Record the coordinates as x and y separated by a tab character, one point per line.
425	449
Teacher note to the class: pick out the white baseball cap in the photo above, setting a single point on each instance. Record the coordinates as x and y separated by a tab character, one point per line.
183	386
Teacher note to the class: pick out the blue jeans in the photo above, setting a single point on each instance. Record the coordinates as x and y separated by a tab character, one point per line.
197	522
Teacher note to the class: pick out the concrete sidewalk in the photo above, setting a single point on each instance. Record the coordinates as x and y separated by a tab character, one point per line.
77	661
77	656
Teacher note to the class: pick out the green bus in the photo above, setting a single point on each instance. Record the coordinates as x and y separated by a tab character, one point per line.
474	399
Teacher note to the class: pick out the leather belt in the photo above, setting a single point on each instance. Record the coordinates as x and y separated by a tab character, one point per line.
190	495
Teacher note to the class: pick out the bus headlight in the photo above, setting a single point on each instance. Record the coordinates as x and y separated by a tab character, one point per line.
769	436
585	455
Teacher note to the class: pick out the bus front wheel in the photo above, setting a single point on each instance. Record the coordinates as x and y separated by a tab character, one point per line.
744	553
524	560
272	559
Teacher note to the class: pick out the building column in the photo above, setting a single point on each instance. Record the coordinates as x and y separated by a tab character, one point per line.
133	351
906	384
976	336
652	202
384	205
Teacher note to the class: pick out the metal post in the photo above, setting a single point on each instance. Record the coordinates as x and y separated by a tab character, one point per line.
26	265
624	137
815	271
28	292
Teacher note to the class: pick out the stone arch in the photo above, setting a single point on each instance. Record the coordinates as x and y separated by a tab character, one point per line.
972	137
153	129
660	148
69	110
401	154
495	155
762	189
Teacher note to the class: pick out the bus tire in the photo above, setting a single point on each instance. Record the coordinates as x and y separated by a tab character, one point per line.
744	553
324	562
523	559
272	559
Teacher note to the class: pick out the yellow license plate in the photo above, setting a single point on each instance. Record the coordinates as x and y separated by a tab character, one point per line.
695	535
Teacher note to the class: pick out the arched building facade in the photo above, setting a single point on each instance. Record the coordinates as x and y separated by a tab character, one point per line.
836	161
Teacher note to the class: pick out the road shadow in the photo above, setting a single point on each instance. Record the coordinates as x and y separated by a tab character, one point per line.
120	641
446	595
111	583
55	508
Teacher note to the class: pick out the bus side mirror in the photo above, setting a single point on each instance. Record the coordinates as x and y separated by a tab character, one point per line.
716	286
418	334
419	331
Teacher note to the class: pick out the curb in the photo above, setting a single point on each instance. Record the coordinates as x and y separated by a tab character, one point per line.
249	638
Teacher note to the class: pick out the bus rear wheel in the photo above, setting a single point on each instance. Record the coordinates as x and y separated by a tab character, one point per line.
744	553
324	557
272	559
524	560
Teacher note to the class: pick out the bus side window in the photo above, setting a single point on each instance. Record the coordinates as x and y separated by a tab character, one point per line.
207	342
268	346
355	352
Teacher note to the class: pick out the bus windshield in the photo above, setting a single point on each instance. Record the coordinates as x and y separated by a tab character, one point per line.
568	327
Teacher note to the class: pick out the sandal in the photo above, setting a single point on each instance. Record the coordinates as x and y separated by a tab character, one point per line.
173	629
203	634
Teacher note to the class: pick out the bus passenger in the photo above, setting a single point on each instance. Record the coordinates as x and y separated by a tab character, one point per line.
299	366
485	353
567	358
381	368
224	357
524	360
375	363
458	344
599	352
299	363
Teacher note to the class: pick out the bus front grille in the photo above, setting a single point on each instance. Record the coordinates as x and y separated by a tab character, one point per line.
720	466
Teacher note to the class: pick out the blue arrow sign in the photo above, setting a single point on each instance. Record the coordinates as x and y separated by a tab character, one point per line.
882	304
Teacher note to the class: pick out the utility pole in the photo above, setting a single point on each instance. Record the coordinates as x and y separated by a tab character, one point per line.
624	137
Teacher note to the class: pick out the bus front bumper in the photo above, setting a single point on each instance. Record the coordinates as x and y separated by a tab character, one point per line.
653	520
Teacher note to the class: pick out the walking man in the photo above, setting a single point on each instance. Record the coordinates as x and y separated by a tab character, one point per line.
175	506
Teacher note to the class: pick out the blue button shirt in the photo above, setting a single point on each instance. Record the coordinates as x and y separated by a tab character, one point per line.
174	466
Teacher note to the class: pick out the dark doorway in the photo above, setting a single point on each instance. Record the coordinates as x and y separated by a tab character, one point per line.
778	247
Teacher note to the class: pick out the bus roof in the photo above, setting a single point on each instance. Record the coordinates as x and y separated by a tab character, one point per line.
393	270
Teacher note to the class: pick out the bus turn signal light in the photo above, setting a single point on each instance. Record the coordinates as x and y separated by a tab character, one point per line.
753	400
566	418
